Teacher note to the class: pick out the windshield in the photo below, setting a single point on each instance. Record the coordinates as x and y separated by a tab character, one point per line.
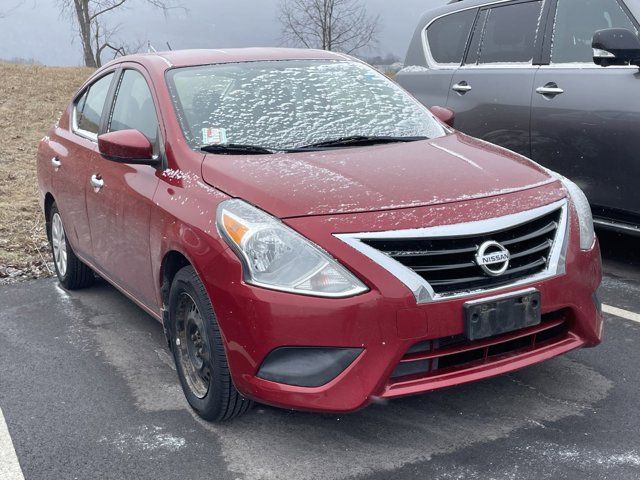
284	105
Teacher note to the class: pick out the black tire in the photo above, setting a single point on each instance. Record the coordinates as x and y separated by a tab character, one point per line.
198	351
75	275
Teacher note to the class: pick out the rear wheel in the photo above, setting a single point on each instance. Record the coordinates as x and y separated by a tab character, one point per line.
199	353
72	273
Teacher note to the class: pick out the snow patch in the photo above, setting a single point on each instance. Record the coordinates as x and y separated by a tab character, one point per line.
414	69
146	439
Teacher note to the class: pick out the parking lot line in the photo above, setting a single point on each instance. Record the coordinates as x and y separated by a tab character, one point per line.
619	312
9	465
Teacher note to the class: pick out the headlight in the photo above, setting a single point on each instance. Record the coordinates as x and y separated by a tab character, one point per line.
585	217
275	256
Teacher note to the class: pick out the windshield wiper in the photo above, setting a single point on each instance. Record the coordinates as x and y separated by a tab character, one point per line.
356	141
236	149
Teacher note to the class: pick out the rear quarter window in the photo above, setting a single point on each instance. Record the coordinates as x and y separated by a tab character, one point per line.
447	37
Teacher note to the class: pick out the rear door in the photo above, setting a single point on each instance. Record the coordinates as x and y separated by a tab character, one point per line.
491	92
78	148
120	211
442	47
588	130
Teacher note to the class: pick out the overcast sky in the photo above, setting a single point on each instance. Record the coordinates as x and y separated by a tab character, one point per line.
37	30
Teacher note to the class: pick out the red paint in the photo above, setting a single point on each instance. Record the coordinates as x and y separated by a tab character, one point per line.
381	177
444	114
126	230
412	323
125	145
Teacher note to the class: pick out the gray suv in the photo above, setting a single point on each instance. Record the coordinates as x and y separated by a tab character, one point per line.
522	74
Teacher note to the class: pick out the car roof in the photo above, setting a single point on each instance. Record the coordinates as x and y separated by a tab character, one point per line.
185	58
454	6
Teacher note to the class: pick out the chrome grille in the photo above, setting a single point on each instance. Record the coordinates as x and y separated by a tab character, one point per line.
448	263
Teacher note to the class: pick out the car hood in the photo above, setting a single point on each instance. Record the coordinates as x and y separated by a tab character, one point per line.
452	168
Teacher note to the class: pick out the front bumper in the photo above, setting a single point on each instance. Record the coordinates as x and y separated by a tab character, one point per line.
386	323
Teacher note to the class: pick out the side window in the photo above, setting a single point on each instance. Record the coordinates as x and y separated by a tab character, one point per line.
509	34
447	36
134	108
88	109
577	21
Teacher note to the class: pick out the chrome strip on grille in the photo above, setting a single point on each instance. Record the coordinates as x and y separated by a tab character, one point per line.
421	288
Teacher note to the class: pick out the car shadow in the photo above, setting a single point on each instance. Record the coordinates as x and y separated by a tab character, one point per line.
386	435
620	254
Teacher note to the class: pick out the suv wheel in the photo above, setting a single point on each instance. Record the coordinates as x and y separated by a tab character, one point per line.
72	273
198	351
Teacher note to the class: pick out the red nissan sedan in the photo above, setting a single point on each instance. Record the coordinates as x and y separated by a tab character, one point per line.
308	234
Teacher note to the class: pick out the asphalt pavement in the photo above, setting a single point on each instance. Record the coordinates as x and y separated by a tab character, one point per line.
88	391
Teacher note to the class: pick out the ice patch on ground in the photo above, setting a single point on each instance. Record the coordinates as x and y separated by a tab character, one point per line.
585	457
147	439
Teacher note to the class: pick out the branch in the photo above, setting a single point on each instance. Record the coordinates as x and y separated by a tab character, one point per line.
107	9
10	10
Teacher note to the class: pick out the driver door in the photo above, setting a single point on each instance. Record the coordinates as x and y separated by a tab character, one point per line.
119	211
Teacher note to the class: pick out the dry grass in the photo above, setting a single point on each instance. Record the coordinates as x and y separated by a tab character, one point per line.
31	100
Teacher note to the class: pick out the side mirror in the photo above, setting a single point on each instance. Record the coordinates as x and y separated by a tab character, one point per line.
127	146
445	115
616	46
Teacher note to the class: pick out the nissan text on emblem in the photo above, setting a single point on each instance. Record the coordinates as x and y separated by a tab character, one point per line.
493	258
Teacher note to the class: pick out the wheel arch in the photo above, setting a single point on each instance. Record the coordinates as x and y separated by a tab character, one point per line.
172	262
48	203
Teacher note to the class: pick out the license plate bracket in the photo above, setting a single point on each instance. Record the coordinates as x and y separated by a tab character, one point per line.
489	317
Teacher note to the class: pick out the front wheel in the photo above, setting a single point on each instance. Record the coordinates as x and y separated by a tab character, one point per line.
72	273
199	353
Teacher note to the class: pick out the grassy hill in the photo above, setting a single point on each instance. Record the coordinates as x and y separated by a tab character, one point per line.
31	100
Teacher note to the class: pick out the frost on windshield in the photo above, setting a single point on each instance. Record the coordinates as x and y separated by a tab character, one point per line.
290	104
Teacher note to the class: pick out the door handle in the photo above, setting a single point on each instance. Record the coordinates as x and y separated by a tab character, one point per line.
461	88
56	163
551	89
97	182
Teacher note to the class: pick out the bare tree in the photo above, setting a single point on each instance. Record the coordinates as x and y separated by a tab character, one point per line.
96	35
338	25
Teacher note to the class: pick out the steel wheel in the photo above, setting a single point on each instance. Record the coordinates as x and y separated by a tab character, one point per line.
198	350
59	243
193	350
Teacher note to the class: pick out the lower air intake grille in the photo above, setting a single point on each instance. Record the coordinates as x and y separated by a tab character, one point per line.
434	357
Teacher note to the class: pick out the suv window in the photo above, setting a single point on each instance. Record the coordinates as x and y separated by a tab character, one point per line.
577	21
134	108
509	34
448	36
88	109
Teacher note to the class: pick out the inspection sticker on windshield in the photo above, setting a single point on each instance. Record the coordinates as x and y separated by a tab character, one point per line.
214	136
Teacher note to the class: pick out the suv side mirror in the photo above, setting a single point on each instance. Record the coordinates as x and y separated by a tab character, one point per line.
616	46
445	115
127	146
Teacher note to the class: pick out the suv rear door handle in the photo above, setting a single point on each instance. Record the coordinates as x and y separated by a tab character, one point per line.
551	89
462	87
97	182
